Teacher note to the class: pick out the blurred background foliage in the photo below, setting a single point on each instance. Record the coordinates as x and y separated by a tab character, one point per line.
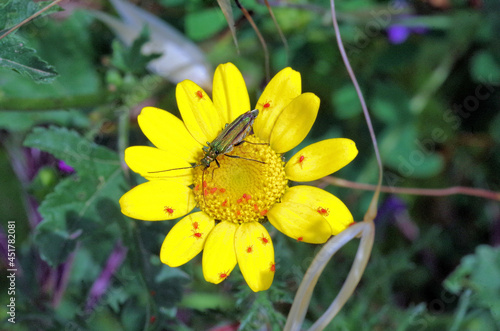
70	93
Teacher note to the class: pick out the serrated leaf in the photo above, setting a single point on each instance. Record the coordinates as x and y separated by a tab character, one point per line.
82	204
480	273
13	12
132	59
78	83
86	157
16	56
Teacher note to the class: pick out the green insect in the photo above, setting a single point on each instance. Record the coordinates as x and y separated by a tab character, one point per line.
232	135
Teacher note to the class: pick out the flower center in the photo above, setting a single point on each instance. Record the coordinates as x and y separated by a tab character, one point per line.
241	190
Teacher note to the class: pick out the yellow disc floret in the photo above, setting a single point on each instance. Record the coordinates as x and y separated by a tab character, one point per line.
241	190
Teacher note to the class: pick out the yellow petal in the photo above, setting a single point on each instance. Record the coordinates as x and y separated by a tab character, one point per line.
168	133
300	222
255	254
186	239
198	112
294	123
281	90
324	203
230	92
150	162
219	257
158	200
320	159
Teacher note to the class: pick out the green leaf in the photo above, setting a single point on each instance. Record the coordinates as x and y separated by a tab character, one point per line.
205	23
390	103
402	150
22	121
16	56
78	83
480	273
13	12
131	59
346	102
79	205
485	68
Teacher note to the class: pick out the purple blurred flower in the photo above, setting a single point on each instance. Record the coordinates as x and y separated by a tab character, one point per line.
397	33
64	167
101	284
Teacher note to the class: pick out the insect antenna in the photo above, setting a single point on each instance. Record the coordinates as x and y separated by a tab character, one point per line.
154	172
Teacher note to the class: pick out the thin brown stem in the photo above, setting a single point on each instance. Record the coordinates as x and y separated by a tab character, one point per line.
259	35
17	26
282	36
454	190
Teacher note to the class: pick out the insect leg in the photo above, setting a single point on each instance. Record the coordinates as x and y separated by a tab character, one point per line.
249	142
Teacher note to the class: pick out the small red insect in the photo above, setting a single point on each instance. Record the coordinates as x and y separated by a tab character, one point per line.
250	249
224	274
323	211
301	160
168	210
197	235
300	238
195	225
264	240
199	94
266	105
273	267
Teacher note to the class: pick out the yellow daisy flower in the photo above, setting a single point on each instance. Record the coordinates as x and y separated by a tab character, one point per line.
235	198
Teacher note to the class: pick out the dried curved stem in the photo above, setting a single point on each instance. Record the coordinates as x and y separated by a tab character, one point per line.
454	190
365	228
304	293
282	36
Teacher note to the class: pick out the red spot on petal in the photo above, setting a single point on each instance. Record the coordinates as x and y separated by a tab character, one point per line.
300	238
273	267
197	235
266	105
300	161
323	211
224	274
249	249
264	240
264	212
168	210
